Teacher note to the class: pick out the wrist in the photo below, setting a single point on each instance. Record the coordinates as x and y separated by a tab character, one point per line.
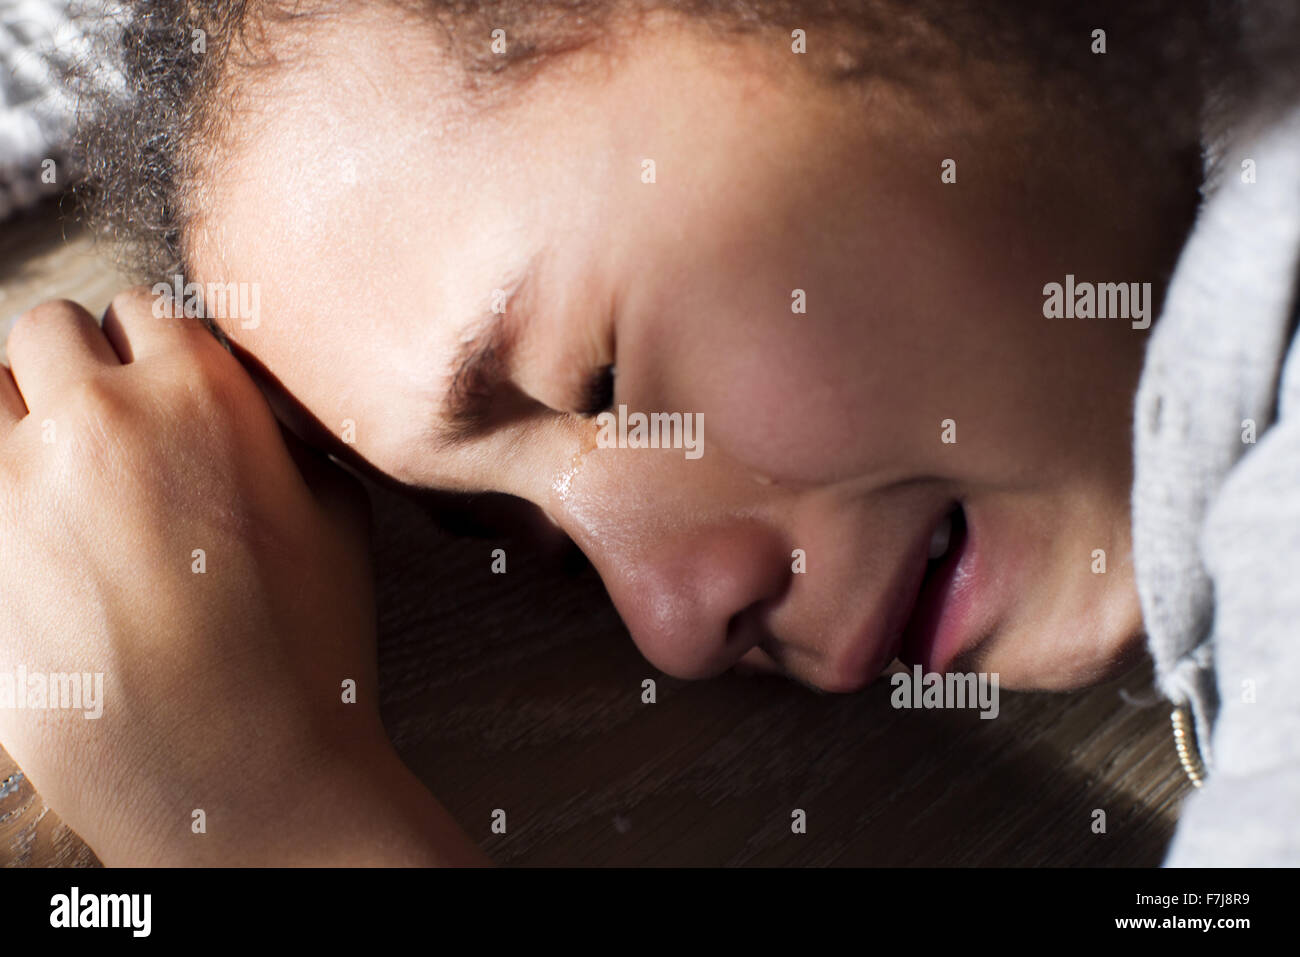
360	807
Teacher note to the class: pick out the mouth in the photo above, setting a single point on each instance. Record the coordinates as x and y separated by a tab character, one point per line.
912	625
934	633
926	616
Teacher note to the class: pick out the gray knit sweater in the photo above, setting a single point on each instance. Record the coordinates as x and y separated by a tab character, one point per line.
39	41
1216	505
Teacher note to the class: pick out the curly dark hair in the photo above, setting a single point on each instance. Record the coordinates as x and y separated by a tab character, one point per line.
142	148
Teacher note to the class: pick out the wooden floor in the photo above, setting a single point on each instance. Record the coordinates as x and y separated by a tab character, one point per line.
523	692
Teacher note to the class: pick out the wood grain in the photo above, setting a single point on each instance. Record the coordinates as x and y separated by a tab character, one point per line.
522	692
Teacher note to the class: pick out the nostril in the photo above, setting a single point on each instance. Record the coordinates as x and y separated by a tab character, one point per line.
695	603
733	627
745	629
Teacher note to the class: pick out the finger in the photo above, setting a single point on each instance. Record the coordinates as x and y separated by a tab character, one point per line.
12	406
139	323
53	347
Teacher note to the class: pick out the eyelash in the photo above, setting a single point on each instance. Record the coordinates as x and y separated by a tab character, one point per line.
598	395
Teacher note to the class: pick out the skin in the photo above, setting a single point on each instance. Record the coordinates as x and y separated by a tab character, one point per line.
380	219
378	214
136	445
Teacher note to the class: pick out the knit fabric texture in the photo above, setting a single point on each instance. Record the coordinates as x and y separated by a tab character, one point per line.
40	40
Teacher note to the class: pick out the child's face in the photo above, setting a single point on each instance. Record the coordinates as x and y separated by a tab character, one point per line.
379	216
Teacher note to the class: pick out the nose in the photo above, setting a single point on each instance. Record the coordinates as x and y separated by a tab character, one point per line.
695	601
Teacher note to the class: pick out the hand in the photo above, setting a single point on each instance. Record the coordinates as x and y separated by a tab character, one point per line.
155	528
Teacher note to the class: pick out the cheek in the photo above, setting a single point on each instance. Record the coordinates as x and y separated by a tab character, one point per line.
879	385
779	412
802	400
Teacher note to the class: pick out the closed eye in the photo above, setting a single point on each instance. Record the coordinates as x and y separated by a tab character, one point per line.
598	394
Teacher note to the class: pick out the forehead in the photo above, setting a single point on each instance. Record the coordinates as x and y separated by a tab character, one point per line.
370	105
358	161
379	210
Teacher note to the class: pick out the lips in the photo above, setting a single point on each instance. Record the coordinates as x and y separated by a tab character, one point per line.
935	631
881	640
923	619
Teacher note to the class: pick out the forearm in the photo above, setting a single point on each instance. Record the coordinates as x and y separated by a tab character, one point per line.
342	814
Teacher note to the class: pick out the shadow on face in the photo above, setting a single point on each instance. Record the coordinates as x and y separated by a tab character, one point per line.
859	330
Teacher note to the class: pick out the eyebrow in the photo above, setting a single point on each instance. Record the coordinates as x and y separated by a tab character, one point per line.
481	366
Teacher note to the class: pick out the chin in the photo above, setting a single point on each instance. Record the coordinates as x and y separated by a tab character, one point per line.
1040	662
